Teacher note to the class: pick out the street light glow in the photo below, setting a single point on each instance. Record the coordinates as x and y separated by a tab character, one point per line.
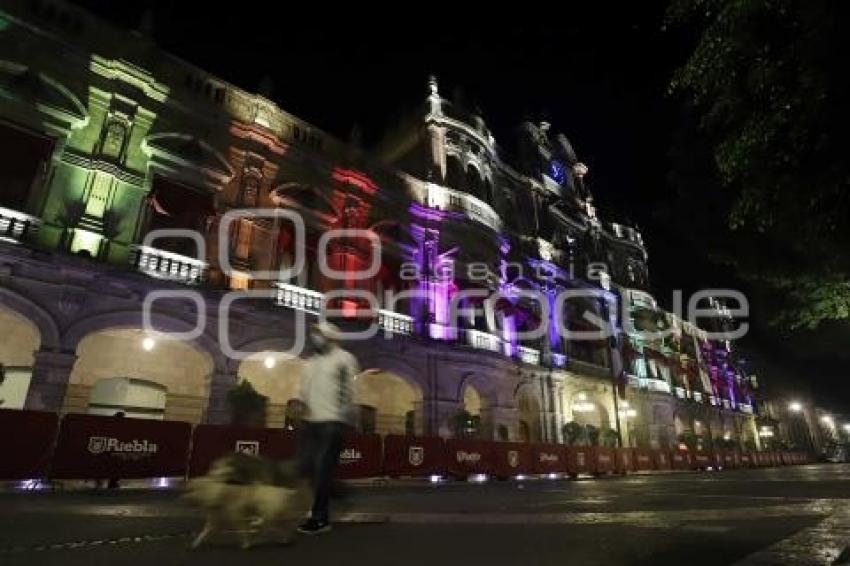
827	420
148	344
269	362
795	406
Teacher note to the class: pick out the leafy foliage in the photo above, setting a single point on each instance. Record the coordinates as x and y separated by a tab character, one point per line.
769	85
247	406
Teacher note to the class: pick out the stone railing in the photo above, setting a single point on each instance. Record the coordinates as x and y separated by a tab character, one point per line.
395	323
168	265
658	385
17	226
298	298
529	355
483	340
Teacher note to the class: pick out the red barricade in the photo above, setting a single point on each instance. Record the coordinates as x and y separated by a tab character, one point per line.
748	459
624	462
578	460
413	456
210	442
643	459
97	447
700	460
26	443
511	459
787	458
661	459
548	459
466	457
602	461
729	460
360	456
681	460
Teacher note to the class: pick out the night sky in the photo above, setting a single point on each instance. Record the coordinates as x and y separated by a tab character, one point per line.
598	71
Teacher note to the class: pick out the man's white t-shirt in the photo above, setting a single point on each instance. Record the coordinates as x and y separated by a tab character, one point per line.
327	385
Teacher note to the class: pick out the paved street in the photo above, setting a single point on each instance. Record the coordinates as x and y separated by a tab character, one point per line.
767	516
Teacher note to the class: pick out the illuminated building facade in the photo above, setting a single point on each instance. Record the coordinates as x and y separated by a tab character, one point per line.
107	139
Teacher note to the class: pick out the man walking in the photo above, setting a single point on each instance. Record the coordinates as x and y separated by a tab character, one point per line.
327	386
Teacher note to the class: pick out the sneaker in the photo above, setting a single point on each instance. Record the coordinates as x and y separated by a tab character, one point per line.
314	527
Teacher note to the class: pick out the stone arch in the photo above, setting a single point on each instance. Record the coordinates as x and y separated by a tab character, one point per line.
47	327
586	408
122	352
132	319
455	176
529	408
474	181
275	376
17	356
388	402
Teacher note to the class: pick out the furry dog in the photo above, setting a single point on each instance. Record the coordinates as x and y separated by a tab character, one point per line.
256	498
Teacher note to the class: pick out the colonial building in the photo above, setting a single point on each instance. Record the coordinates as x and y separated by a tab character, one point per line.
108	143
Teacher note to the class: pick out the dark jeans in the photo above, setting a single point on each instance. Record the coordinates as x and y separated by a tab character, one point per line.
318	455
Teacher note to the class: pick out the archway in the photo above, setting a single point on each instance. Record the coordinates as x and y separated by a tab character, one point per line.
277	378
530	429
387	403
179	367
21	339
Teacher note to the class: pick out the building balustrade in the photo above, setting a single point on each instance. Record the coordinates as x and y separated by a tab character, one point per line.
298	298
529	355
163	264
745	408
395	323
483	340
17	226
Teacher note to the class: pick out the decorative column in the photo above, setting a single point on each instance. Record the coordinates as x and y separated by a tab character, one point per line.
50	374
494	416
438	415
218	412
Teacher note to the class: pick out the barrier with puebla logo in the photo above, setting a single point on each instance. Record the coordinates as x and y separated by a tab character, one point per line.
548	459
413	455
624	461
360	457
643	459
26	443
579	460
99	447
466	457
210	442
602	461
681	459
661	459
511	459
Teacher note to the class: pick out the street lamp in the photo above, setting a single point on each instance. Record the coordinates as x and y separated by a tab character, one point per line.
847	427
795	406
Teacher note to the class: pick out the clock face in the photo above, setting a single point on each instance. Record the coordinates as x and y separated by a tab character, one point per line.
557	171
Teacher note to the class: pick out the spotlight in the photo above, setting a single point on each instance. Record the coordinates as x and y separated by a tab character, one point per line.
269	362
148	343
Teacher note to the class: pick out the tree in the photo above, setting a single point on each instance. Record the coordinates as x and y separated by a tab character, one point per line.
769	88
247	407
574	434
